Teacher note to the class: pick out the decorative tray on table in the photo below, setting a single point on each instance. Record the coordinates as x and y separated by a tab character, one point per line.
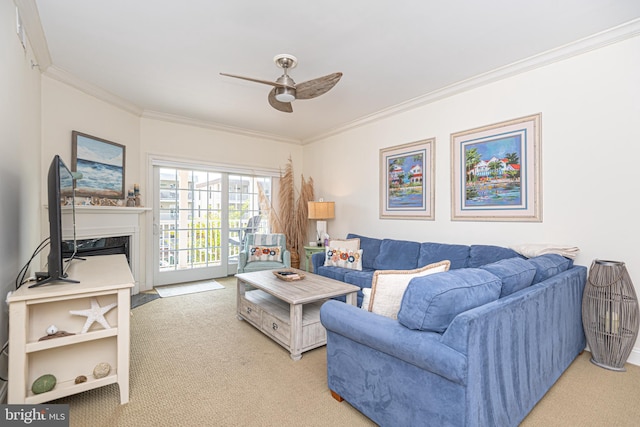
288	275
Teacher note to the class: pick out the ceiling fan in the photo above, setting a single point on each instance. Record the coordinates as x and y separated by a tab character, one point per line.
285	90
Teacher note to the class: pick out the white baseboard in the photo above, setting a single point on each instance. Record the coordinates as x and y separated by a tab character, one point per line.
634	357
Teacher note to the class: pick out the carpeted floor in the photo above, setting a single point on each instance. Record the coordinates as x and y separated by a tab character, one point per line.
193	363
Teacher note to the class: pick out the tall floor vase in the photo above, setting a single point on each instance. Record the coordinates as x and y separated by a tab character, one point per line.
610	314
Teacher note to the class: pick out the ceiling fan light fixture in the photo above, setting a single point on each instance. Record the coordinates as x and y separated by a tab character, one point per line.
285	94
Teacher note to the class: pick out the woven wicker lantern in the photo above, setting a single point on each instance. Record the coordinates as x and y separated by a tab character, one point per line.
610	314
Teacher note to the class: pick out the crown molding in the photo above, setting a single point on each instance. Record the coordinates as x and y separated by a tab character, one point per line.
65	77
165	117
31	21
613	35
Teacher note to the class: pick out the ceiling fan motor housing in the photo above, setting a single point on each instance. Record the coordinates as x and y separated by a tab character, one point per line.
286	93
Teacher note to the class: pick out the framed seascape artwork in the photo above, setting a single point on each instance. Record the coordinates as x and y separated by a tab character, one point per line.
495	172
407	180
101	163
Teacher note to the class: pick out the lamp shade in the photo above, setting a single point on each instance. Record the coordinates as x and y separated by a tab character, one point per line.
321	210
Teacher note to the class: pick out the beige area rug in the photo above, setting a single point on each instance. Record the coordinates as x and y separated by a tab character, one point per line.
187	288
193	363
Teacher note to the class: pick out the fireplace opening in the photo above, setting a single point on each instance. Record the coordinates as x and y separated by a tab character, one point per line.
98	246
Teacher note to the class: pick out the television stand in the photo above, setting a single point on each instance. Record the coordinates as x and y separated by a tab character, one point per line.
106	279
46	280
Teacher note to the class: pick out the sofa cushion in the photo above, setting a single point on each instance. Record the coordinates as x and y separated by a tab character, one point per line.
359	278
264	253
548	265
397	255
430	303
370	248
485	254
430	252
515	274
388	286
335	273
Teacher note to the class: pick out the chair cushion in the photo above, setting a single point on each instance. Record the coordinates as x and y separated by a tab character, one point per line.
548	265
515	274
431	302
388	287
397	255
264	253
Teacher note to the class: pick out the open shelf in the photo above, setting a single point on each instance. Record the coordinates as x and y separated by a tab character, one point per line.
65	388
32	347
107	279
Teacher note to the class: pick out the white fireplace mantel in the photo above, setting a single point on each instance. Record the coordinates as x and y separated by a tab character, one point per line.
111	221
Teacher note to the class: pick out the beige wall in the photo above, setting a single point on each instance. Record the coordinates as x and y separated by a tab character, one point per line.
21	169
65	108
590	150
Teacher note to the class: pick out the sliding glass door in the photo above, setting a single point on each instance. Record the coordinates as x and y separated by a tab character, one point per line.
201	218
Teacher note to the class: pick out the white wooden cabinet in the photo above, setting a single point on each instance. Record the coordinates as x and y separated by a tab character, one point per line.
106	278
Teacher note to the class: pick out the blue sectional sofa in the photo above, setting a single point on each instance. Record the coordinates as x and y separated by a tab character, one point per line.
392	254
478	345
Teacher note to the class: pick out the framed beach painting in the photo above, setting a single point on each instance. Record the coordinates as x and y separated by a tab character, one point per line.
496	172
101	163
407	180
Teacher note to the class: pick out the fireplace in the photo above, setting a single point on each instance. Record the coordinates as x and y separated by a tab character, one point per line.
104	230
99	246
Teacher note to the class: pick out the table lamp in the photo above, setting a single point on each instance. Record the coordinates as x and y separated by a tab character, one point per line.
321	211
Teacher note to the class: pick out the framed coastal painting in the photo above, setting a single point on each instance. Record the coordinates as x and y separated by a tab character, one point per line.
101	163
496	172
407	180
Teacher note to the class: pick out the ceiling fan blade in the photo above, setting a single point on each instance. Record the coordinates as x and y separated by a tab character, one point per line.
285	107
316	87
266	82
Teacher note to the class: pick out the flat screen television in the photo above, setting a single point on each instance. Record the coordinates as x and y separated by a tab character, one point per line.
62	228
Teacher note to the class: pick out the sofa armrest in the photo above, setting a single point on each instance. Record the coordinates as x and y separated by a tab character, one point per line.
317	260
422	349
242	260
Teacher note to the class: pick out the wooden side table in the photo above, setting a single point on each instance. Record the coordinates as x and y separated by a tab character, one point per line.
308	252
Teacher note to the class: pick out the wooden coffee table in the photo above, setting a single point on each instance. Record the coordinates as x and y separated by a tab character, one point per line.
289	312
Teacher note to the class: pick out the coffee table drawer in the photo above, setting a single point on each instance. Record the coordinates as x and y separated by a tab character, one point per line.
276	328
250	311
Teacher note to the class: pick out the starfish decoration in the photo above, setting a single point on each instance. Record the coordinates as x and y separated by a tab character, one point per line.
94	314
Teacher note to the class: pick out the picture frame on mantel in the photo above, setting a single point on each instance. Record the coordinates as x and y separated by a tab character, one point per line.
496	172
407	173
102	165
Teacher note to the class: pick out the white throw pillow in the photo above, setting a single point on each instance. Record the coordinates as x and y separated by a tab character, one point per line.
345	253
366	297
388	286
264	253
345	258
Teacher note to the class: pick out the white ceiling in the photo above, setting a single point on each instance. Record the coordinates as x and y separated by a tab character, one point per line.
164	57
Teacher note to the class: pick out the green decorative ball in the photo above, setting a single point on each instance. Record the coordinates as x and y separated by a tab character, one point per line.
43	384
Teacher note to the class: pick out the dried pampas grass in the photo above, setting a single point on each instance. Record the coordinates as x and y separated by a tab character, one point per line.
291	217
